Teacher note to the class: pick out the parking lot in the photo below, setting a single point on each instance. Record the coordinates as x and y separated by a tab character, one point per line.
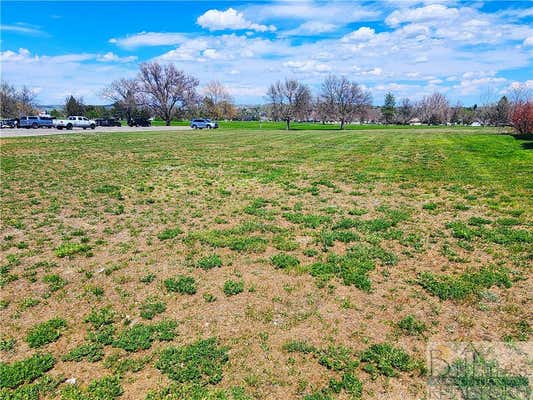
100	129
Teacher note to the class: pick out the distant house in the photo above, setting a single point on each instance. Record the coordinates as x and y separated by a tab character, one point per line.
415	121
475	123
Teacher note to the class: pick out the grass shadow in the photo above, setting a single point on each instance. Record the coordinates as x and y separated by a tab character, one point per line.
526	140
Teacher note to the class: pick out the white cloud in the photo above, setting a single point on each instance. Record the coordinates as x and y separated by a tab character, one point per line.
25	56
336	12
430	12
477	85
307	66
61	75
112	57
312	28
362	34
23	29
143	39
215	20
528	42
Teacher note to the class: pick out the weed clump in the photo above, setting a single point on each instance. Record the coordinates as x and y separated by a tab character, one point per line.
152	307
198	363
307	220
170	233
69	249
54	281
299	346
182	284
411	326
387	360
232	288
283	261
25	371
210	262
107	388
45	332
101	317
91	352
352	267
459	287
141	336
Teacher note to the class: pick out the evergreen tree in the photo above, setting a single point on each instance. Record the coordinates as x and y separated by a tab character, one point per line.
503	110
389	108
74	106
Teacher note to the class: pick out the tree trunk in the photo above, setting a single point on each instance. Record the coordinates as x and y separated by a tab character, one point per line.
342	124
288	123
168	122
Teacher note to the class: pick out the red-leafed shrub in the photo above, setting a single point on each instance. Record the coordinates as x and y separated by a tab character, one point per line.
522	117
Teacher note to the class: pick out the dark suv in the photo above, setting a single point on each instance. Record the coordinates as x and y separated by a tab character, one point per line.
139	122
107	122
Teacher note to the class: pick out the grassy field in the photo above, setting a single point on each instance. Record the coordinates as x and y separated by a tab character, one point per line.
242	264
300	126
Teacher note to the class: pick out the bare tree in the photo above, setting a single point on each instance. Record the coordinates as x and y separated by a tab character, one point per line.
289	100
342	99
434	109
406	111
8	101
217	101
125	95
166	90
26	101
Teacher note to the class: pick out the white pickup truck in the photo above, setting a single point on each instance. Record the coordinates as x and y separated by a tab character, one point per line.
74	121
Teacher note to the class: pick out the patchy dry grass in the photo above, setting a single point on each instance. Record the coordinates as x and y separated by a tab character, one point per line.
249	265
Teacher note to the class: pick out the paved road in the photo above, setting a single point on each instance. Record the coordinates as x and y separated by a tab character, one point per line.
100	129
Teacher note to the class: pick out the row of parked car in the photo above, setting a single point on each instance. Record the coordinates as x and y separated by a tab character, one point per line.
71	122
76	121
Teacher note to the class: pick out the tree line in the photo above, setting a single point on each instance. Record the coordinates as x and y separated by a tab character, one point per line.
163	91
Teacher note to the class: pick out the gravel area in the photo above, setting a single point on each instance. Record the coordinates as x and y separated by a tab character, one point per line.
4	133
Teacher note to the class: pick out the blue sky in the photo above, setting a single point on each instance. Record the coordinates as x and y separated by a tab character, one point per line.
471	51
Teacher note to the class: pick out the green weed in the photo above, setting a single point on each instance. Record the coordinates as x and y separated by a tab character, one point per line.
45	332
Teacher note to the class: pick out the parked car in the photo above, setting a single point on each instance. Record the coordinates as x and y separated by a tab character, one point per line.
9	123
201	123
107	122
139	122
74	121
35	122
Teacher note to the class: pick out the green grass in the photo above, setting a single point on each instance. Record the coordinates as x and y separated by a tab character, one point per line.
209	262
141	336
25	371
70	249
471	283
169	233
45	332
106	388
91	352
231	288
410	325
283	261
387	360
182	284
196	363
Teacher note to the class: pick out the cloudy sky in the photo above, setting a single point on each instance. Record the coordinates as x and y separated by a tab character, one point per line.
471	51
